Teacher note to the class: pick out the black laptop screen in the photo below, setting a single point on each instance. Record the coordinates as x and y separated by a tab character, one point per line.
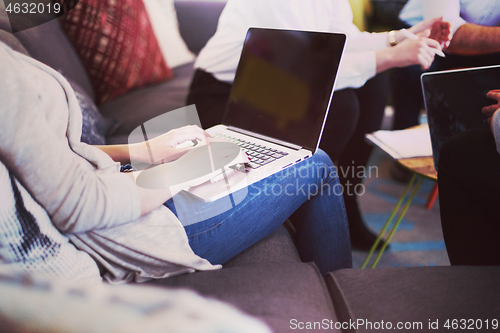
284	83
454	99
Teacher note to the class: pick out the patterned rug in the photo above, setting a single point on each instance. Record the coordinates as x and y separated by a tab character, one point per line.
419	239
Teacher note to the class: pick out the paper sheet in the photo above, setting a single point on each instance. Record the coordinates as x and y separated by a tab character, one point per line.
413	142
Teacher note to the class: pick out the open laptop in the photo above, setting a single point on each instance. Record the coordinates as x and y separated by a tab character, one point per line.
454	99
278	103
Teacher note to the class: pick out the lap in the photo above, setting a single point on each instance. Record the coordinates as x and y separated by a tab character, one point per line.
221	229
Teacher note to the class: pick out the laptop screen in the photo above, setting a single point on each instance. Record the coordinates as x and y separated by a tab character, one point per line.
284	84
454	99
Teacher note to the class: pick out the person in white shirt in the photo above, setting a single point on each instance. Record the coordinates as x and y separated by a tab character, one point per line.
474	24
474	41
360	97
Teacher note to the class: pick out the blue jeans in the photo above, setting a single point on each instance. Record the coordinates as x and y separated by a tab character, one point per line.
309	193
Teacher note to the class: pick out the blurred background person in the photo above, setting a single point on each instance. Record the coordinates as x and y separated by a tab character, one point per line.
474	41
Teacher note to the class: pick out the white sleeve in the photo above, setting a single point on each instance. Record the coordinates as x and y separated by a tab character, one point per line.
496	129
34	146
355	69
449	9
418	10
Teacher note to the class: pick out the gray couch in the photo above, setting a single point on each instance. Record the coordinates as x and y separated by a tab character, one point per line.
269	280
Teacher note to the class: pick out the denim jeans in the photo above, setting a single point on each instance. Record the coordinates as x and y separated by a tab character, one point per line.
309	193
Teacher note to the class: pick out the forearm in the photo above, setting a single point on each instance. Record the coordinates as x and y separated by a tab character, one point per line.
473	39
384	59
153	187
119	153
144	152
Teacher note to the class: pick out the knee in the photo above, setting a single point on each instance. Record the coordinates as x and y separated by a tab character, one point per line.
322	158
324	168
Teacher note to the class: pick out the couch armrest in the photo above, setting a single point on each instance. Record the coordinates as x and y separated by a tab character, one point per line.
198	21
420	296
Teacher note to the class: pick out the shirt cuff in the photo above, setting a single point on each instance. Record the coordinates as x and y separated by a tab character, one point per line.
455	24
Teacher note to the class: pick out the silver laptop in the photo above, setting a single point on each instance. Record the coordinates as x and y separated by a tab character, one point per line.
278	103
454	99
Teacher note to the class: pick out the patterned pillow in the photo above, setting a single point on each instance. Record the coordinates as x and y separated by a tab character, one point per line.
94	125
117	45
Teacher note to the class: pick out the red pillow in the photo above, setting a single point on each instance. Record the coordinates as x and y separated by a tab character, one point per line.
117	45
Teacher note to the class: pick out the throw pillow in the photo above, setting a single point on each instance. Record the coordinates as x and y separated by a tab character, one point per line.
94	126
166	27
117	45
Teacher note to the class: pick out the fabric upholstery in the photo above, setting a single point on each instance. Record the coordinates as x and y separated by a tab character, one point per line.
11	41
94	126
47	43
277	247
41	305
117	45
273	292
416	294
205	13
140	105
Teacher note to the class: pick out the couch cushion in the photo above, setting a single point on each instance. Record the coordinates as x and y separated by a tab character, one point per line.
205	14
140	105
47	43
277	247
416	294
117	45
94	126
11	41
37	304
282	295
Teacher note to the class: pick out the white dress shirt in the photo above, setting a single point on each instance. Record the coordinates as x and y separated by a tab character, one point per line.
457	12
221	54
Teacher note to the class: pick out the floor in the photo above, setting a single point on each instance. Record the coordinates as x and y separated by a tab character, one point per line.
419	239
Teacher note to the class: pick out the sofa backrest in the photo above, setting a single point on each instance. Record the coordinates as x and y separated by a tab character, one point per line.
47	43
198	21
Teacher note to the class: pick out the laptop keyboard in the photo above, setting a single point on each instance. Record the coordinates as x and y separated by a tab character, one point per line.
259	155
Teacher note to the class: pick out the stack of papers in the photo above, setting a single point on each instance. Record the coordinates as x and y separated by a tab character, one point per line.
412	142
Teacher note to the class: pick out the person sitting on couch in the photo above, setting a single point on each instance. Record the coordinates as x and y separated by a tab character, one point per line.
69	212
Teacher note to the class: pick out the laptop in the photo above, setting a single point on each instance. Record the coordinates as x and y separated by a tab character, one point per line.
454	99
278	104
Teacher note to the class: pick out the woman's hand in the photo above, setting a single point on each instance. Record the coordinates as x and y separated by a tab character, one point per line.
164	147
416	51
490	111
439	30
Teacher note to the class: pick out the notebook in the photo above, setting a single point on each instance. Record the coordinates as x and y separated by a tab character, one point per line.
454	99
278	103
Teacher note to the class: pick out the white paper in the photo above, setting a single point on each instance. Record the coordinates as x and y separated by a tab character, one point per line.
414	142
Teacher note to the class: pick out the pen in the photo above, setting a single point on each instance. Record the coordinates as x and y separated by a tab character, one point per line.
411	35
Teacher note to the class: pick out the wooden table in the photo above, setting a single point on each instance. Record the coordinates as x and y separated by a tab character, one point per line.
421	167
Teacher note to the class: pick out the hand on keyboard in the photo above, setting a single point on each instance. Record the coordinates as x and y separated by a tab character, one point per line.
258	155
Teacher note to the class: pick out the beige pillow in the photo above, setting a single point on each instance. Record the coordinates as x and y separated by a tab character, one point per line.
164	21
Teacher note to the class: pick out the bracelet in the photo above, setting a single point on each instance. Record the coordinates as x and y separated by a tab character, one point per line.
391	36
